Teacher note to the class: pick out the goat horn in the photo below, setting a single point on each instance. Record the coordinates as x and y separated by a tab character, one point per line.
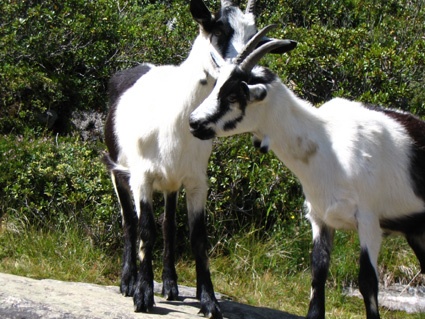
249	62
250	7
252	44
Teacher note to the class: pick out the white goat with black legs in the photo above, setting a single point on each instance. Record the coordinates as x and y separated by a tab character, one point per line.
151	149
360	167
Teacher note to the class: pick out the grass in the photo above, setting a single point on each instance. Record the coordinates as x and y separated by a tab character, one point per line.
65	255
265	273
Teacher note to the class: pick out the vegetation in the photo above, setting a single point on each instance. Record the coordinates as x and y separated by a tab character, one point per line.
57	199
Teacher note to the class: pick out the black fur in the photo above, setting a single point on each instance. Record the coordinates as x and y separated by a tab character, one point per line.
320	259
169	274
412	226
125	79
368	284
233	91
129	220
118	84
416	129
217	25
143	295
204	286
222	29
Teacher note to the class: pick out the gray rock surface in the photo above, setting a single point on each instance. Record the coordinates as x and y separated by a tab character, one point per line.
22	297
398	297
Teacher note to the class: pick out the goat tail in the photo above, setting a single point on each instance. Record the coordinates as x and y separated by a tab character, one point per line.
113	167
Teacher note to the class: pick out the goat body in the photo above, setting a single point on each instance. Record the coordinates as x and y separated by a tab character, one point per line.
360	167
150	148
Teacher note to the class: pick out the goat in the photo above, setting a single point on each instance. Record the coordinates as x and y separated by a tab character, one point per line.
361	167
151	149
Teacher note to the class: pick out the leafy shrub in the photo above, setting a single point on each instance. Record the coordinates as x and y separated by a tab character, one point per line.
354	49
250	189
60	55
50	183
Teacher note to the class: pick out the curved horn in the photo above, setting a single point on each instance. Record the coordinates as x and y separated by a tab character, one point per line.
252	44
250	7
248	64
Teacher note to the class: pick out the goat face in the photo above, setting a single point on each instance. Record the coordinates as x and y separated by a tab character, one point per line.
233	105
228	29
230	109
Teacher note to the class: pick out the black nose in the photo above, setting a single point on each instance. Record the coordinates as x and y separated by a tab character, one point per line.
201	130
195	124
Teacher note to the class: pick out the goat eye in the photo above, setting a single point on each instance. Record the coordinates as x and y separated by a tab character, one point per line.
217	32
231	99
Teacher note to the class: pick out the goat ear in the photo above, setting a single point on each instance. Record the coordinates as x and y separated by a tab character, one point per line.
280	50
217	59
255	92
201	13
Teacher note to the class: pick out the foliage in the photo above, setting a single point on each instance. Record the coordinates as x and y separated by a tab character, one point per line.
60	55
51	183
249	189
362	50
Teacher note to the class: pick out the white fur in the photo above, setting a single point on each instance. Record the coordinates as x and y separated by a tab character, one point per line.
353	164
350	160
151	122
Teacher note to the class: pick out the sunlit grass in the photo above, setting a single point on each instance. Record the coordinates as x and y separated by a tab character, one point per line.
258	273
264	273
65	255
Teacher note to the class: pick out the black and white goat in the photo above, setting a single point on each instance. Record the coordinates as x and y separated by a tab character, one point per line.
151	149
361	167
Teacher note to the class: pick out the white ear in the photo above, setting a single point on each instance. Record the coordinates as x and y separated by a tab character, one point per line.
257	92
217	58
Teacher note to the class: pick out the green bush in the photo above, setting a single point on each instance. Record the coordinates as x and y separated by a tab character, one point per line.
355	49
50	183
57	181
60	55
250	189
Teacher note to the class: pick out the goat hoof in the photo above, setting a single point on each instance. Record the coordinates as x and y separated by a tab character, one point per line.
127	287
143	298
170	290
211	310
209	306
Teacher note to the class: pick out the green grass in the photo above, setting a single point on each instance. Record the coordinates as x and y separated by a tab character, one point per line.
67	255
269	273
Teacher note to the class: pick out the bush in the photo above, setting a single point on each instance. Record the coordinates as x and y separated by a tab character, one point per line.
57	181
59	56
354	49
250	190
51	183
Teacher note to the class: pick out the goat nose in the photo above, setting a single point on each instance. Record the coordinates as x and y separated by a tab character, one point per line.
195	124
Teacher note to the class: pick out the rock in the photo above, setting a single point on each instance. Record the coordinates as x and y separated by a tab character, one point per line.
22	297
398	297
89	124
